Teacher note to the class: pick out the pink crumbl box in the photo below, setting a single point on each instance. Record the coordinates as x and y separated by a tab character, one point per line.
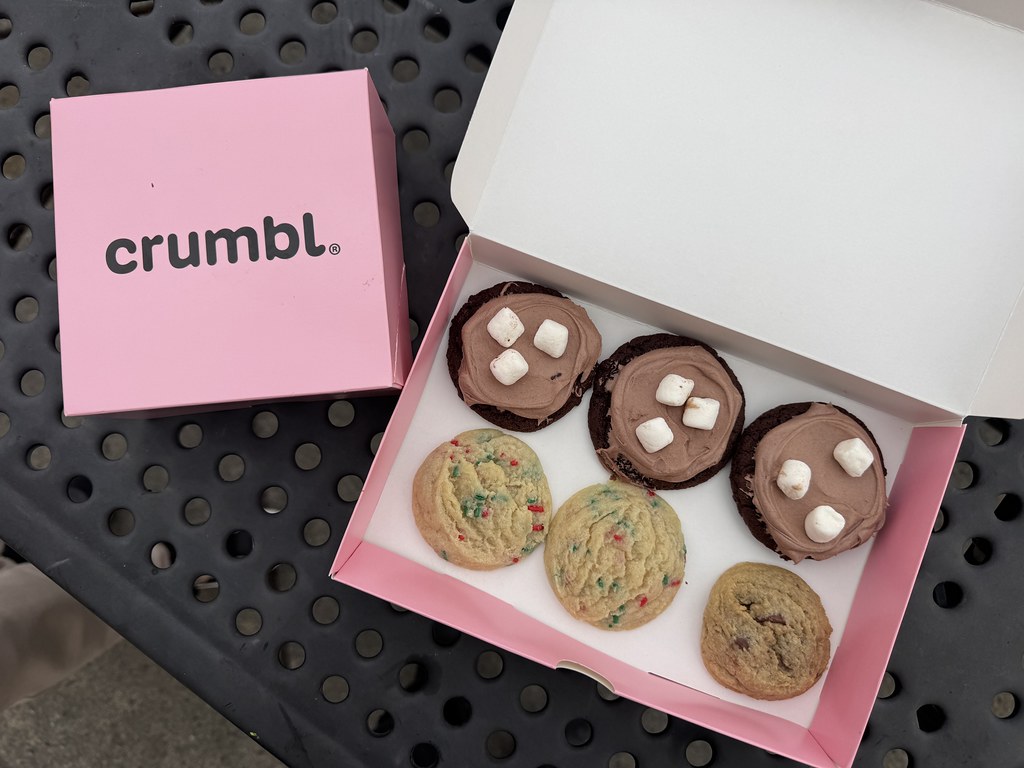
228	243
829	193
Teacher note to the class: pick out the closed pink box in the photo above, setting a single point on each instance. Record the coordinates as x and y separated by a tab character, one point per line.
228	243
825	192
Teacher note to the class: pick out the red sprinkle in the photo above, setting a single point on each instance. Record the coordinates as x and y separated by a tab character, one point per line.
513	463
650	493
643	600
515	560
538	527
461	537
535	508
617	537
674	583
485	513
454	442
451	457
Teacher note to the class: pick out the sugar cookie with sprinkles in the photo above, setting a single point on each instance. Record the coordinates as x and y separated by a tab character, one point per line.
615	555
481	500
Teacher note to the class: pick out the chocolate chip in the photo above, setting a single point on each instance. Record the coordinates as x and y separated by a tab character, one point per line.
772	618
742	643
556	375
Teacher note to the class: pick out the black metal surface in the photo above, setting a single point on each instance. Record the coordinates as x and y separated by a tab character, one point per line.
98	504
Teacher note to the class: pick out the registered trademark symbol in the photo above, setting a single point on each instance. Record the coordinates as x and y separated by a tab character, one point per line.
335	248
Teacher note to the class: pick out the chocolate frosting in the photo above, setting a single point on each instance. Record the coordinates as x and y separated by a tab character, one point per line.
550	381
811	438
633	402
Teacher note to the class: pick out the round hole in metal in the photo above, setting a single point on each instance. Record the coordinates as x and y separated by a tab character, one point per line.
699	753
993	432
395	6
930	717
114	446
77	85
46	198
424	755
121	522
654	721
1004	705
326	610
478	59
426	214
291	655
14	166
282	577
156	479
324	13
500	744
364	41
141	7
39	57
264	424
412	676
39	457
578	732
1008	507
190	436
79	489
349	487
292	52
5	424
221	63
197	511
380	722
19	236
231	467
941	519
447	100
41	127
9	95
162	555
622	760
977	550
239	544
375	442
5	27
964	475
947	594
889	686
71	422
205	588
369	643
489	665
334	689
273	499
180	33
896	758
457	711
443	635
437	29
32	383
533	698
316	532
26	309
606	693
415	140
341	413
308	456
252	23
248	622
405	70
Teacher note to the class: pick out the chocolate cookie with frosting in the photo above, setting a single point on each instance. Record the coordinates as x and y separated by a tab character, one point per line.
522	355
666	412
809	481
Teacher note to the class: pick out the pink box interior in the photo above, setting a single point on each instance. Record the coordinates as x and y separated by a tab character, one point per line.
297	175
851	683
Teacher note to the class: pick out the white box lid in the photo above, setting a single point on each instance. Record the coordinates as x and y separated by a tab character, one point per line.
841	180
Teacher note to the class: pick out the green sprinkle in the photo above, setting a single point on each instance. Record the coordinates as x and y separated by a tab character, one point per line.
532	500
615	619
455	471
527	549
615	586
621	608
600	582
574	547
476	512
480	496
664	580
444	555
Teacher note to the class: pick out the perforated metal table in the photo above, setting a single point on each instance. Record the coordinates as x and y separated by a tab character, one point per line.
206	540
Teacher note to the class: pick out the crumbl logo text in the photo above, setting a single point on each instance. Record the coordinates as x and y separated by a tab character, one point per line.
279	241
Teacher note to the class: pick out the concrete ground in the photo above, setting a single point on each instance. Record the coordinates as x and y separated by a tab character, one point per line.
123	711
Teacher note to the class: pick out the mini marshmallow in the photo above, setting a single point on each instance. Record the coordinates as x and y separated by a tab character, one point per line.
823	524
854	456
551	338
509	367
654	434
794	478
505	327
674	389
701	412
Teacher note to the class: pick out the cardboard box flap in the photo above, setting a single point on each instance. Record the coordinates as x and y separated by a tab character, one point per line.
843	180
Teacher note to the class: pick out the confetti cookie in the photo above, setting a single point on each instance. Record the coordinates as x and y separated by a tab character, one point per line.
522	355
765	632
615	555
666	412
809	481
481	500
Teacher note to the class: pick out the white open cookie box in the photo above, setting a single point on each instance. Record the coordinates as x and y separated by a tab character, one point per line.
828	194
